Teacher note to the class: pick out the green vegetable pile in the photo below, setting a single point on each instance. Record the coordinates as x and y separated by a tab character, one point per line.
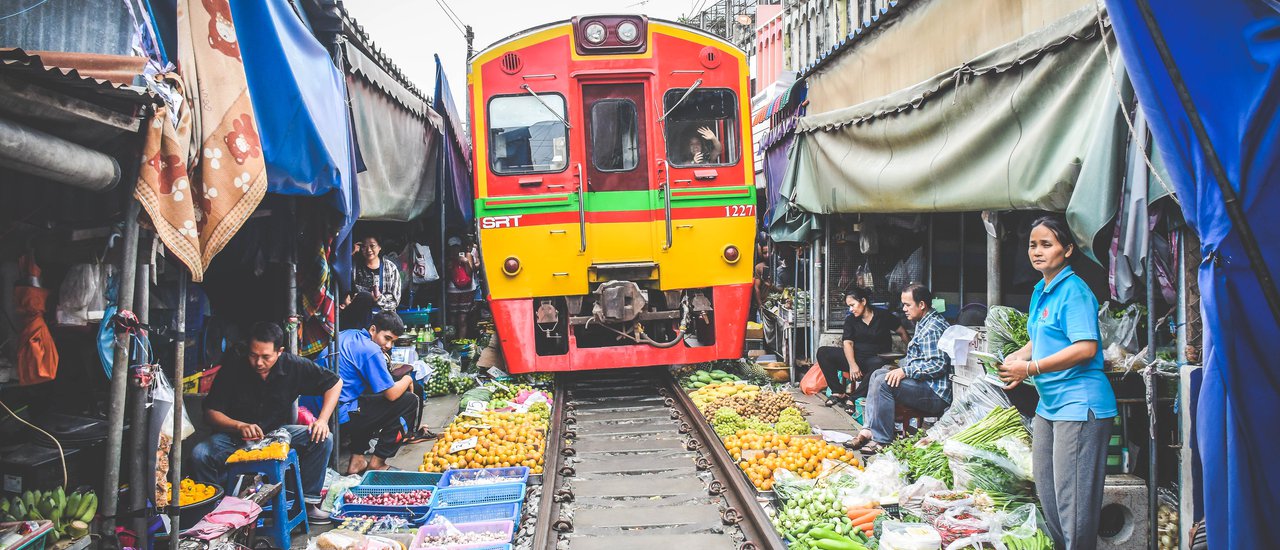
442	381
700	378
815	519
1006	330
931	461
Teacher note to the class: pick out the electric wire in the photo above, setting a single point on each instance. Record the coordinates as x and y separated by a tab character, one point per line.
453	18
24	10
62	455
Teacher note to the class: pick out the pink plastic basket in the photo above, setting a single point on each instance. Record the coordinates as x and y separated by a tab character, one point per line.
507	528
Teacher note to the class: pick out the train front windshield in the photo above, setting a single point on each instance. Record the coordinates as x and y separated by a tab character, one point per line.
527	135
703	128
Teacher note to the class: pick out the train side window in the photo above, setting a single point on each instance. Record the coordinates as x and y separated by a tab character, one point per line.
614	146
526	135
703	128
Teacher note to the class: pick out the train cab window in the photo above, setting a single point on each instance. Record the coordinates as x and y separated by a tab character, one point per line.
614	146
526	135
701	129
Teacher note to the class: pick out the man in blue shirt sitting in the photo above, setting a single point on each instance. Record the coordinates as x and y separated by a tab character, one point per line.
922	379
373	405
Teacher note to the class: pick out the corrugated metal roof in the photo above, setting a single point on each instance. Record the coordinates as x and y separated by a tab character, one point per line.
87	85
96	26
886	13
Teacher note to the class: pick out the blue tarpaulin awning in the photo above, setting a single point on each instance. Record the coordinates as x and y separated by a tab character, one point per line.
300	101
1233	86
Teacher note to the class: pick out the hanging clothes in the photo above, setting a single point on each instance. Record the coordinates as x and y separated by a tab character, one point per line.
37	353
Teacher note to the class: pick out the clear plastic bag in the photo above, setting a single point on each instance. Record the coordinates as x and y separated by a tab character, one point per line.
969	404
336	488
162	407
883	478
79	291
1120	328
911	497
999	474
1006	330
274	445
962	522
937	503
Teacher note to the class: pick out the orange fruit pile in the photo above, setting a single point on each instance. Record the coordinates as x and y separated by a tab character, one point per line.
190	492
801	455
503	440
274	451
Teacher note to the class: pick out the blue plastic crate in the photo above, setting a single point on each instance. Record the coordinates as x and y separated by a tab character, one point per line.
515	474
449	497
483	512
366	490
401	477
412	517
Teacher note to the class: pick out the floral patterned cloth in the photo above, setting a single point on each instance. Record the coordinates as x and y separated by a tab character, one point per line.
203	174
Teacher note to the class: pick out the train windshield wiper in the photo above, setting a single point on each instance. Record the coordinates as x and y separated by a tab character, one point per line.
548	107
696	83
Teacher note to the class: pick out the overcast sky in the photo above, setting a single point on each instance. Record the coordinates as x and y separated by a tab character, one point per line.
411	31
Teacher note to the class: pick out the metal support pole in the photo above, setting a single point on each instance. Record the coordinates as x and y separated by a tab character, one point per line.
175	450
119	372
995	283
443	255
334	426
960	269
1148	376
141	483
291	286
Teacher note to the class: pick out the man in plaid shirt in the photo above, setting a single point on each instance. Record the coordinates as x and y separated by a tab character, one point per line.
921	381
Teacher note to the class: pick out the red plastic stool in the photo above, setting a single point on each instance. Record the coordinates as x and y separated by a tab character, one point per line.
902	417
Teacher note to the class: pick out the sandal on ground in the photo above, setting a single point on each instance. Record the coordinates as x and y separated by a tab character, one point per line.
835	400
857	442
420	436
872	448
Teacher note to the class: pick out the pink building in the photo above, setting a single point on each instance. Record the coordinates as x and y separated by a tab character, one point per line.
769	45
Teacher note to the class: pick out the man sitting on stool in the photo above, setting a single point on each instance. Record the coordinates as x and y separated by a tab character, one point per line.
373	403
922	380
253	395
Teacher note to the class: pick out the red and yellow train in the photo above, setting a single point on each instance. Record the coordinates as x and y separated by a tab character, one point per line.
614	193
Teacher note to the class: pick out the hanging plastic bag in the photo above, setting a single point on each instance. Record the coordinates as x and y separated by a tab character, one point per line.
969	404
162	407
78	290
813	381
424	265
1119	332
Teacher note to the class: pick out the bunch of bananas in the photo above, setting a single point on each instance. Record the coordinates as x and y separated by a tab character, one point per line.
70	514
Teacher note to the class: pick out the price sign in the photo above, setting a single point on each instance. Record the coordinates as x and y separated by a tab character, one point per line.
471	414
476	406
459	446
497	372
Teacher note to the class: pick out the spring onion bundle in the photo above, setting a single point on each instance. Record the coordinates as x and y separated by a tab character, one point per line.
1006	330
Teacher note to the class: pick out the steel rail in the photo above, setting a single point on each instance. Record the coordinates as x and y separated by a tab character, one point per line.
755	525
544	537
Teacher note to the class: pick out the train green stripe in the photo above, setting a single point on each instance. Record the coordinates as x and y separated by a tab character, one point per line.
620	201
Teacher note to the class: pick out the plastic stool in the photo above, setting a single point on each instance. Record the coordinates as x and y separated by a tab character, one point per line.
285	472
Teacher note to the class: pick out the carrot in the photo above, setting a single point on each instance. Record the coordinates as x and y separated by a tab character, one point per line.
864	518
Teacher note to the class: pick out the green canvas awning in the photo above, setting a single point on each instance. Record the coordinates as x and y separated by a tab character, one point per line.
1034	124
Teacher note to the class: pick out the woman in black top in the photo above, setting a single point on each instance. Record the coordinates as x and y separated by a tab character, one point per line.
868	332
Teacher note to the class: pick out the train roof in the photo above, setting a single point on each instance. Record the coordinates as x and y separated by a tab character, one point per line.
532	30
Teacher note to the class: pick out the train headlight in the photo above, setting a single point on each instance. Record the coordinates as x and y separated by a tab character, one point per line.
594	33
731	254
627	32
511	266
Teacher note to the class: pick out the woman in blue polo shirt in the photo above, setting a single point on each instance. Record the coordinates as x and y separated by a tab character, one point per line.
1073	420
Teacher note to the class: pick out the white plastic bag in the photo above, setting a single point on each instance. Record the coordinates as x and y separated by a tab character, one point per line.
955	342
424	265
162	407
78	291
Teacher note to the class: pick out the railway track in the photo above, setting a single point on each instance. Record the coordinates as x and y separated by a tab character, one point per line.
631	464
